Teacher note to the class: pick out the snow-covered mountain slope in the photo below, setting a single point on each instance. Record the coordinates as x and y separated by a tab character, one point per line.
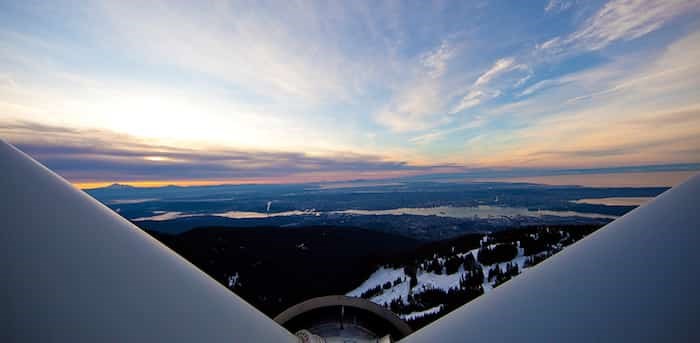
435	288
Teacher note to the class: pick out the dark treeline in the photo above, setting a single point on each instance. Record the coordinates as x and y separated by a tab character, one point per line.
499	253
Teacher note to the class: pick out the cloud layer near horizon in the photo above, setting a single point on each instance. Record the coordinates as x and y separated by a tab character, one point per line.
95	157
92	155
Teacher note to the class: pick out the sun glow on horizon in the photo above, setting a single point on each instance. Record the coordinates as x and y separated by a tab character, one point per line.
157	158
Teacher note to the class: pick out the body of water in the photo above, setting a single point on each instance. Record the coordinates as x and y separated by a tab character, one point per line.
482	211
477	212
631	201
248	215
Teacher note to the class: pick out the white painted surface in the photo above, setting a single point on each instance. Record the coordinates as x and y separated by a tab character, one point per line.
74	271
635	280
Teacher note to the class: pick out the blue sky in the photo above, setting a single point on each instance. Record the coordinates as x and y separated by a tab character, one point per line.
295	90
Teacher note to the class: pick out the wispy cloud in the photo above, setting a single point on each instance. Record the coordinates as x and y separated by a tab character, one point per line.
436	61
540	85
473	98
623	112
622	20
247	48
418	103
438	134
479	93
417	107
549	44
501	66
558	5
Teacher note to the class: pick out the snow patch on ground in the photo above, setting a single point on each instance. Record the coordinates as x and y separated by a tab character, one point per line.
519	260
414	315
233	280
395	292
380	277
428	280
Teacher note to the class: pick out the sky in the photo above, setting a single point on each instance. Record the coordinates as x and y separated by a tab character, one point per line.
204	92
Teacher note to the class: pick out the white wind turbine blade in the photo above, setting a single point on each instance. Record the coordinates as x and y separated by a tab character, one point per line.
74	271
635	280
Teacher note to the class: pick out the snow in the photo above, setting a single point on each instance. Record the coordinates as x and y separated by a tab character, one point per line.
519	260
395	292
380	277
442	281
233	280
427	280
414	315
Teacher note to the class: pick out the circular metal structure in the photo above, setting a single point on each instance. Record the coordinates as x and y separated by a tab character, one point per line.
341	317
